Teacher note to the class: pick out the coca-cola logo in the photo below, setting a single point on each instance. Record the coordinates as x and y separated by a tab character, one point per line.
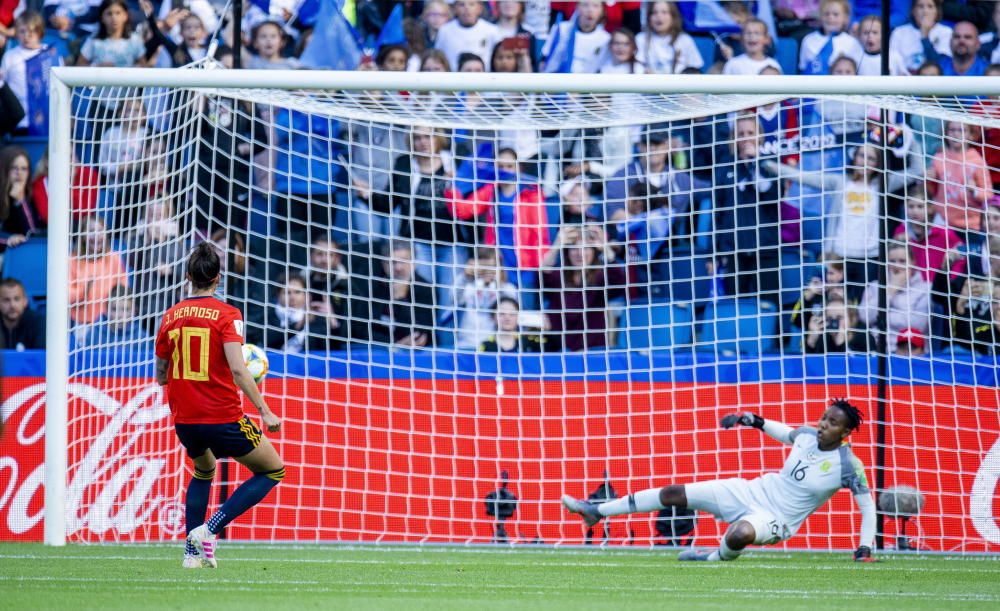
118	484
983	494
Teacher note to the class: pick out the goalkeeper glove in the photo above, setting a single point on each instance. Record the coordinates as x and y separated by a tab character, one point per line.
746	419
864	554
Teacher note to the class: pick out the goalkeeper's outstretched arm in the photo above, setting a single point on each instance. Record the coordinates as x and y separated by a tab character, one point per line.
777	430
868	523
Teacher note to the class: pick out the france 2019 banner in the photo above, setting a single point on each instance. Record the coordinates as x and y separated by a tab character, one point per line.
413	460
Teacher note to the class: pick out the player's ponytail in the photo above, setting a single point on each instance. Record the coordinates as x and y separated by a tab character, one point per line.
203	266
854	417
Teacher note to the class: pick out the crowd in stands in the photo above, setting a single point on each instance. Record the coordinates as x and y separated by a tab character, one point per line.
377	233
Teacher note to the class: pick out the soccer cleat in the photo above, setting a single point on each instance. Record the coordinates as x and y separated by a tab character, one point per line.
191	562
204	544
587	511
695	555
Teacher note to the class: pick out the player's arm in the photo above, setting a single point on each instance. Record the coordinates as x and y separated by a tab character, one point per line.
243	379
868	524
161	371
777	430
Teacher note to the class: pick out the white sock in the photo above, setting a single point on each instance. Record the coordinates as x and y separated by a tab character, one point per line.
725	553
640	502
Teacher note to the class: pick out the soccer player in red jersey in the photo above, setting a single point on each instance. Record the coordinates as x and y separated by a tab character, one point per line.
199	358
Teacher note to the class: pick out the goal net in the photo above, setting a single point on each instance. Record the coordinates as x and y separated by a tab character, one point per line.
479	293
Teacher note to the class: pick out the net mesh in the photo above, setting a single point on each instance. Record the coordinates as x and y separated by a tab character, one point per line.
476	302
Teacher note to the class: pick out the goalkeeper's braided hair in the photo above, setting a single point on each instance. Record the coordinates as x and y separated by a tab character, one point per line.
854	417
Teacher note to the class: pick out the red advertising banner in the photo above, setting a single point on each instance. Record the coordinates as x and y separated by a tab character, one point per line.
413	460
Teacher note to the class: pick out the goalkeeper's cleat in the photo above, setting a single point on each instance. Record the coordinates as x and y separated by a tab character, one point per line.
191	562
587	511
204	544
694	555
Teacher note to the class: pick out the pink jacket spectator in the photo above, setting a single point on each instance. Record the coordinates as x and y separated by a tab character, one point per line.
531	233
960	187
929	253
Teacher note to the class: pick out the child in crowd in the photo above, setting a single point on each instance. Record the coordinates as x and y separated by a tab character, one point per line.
622	58
29	29
484	284
929	243
870	35
194	37
664	46
468	32
116	43
269	42
582	51
828	286
957	179
831	41
508	337
754	59
924	39
392	58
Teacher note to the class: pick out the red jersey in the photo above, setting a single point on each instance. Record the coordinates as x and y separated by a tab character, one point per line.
200	387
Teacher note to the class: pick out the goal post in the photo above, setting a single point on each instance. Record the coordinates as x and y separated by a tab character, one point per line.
644	307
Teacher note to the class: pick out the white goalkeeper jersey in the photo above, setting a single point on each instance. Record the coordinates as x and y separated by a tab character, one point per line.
809	478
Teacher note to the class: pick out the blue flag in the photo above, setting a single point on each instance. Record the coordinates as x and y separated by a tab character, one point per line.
334	44
392	31
308	12
473	174
560	57
36	73
264	5
821	63
710	16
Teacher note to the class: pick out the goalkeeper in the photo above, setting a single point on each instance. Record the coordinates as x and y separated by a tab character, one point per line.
770	508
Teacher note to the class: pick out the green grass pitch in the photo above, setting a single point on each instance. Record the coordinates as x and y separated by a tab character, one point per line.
255	576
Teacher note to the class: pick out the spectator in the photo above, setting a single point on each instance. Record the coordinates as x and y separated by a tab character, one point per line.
747	214
470	62
434	60
508	336
156	254
116	43
834	328
291	324
86	181
19	217
924	39
907	295
484	284
396	306
581	51
644	230
193	37
11	109
664	46
830	41
622	57
417	194
964	60
581	278
515	217
121	158
392	58
796	18
22	328
989	106
989	41
373	149
242	285
71	17
911	342
30	28
928	130
468	32
327	278
976	316
510	55
820	290
755	39
577	206
853	224
510	22
268	43
957	179
929	243
118	326
436	13
870	35
845	119
94	269
415	34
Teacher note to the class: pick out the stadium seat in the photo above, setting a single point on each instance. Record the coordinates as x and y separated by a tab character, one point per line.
786	51
646	326
792	276
28	263
687	278
744	326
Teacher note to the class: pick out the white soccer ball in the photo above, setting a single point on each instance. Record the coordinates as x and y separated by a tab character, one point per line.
256	361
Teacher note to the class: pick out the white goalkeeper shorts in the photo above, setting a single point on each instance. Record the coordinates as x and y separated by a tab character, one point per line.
732	500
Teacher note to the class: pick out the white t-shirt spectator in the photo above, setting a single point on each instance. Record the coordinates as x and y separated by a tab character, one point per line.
664	55
744	64
843	45
589	48
453	39
906	41
537	15
871	65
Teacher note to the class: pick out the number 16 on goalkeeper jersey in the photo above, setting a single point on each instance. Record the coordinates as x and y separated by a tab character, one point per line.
199	359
